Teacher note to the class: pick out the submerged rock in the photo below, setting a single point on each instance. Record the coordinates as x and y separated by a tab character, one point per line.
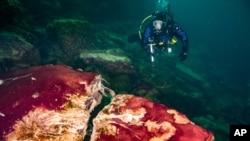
16	52
54	103
133	118
71	36
192	74
47	103
114	60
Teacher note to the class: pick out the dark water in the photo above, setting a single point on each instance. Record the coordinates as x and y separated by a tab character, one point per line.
221	30
219	35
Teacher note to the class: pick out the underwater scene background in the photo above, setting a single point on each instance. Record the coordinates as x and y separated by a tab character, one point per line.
212	87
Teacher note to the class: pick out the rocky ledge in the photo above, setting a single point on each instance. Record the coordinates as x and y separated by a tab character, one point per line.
54	103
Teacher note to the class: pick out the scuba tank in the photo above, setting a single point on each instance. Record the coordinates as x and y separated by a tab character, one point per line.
162	5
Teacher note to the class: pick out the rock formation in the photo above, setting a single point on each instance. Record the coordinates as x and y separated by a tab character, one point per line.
54	103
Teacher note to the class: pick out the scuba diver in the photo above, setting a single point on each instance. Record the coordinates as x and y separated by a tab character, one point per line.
162	32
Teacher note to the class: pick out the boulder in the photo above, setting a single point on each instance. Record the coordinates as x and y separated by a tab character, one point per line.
47	103
70	36
16	52
54	103
113	60
132	118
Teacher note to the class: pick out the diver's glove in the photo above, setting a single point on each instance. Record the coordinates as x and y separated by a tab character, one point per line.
183	56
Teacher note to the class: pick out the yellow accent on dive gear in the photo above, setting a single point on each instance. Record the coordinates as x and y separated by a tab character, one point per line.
139	32
161	43
173	40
